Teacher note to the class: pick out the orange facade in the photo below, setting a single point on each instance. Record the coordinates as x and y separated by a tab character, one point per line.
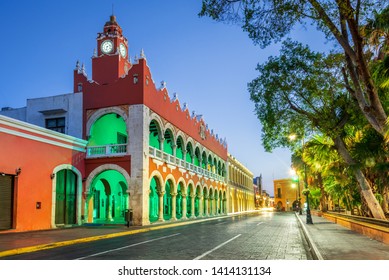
30	157
286	194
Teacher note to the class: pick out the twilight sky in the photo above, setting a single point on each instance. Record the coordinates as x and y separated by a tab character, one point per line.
207	63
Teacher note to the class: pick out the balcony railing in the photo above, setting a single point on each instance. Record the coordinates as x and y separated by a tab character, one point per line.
106	150
158	154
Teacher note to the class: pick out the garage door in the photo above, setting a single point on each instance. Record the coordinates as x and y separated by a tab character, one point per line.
6	201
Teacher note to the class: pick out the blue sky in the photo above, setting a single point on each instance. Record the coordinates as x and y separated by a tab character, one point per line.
207	63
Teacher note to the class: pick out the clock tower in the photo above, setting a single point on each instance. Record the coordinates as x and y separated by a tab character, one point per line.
110	61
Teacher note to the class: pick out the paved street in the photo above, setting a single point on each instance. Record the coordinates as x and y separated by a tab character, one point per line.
259	236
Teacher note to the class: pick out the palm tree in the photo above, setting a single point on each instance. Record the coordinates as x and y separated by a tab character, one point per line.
323	161
376	33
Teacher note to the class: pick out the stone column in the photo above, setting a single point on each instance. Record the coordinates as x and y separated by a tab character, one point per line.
109	208
211	208
206	214
174	210
192	197
184	209
174	147
160	210
87	196
201	205
216	206
161	143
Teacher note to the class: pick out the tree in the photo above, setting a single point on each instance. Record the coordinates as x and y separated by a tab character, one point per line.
268	21
376	33
300	91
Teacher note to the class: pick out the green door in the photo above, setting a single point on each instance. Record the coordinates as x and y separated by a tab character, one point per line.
65	207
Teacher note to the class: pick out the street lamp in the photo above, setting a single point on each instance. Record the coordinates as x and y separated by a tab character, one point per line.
295	178
306	190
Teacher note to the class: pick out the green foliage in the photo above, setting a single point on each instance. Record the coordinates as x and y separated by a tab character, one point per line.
315	195
269	21
297	92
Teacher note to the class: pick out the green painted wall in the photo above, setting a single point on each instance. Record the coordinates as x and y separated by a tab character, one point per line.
105	130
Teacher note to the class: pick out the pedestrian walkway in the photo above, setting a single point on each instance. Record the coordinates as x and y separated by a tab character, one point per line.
330	241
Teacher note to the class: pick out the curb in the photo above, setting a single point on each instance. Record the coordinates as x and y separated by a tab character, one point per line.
315	252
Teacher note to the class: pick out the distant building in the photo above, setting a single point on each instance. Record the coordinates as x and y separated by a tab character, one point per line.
286	194
240	187
257	185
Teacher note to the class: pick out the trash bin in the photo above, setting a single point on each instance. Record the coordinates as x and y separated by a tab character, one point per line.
128	214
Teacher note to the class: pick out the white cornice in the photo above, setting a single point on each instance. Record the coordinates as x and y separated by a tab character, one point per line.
67	141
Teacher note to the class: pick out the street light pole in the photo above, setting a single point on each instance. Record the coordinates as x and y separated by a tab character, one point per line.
296	178
306	190
309	217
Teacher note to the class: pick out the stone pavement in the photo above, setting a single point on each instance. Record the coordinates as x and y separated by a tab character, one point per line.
329	241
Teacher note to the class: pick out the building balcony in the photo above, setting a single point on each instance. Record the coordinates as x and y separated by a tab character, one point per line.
106	150
170	159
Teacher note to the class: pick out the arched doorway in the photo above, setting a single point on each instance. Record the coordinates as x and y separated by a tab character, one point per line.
180	188
197	201
167	201
189	201
66	197
210	202
110	197
154	200
205	201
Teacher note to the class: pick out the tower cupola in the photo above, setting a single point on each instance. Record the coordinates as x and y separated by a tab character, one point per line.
111	59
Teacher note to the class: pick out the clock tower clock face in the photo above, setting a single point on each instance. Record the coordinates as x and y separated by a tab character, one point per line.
122	50
106	46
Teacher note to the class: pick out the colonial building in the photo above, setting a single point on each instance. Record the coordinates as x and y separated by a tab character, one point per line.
145	151
240	187
41	175
286	194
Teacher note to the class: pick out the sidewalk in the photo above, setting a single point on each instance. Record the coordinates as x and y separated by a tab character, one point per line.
330	241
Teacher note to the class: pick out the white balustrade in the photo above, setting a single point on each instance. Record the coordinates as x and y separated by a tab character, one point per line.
106	150
158	154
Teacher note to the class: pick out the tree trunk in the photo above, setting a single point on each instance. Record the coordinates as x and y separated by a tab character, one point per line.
364	186
385	201
323	197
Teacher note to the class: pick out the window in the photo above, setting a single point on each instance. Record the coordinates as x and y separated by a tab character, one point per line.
56	124
279	193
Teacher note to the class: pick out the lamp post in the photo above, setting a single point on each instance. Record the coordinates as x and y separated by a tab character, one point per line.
295	178
306	190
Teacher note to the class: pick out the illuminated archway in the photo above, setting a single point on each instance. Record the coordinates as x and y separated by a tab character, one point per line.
108	135
197	201
179	208
154	199
110	197
167	201
189	194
